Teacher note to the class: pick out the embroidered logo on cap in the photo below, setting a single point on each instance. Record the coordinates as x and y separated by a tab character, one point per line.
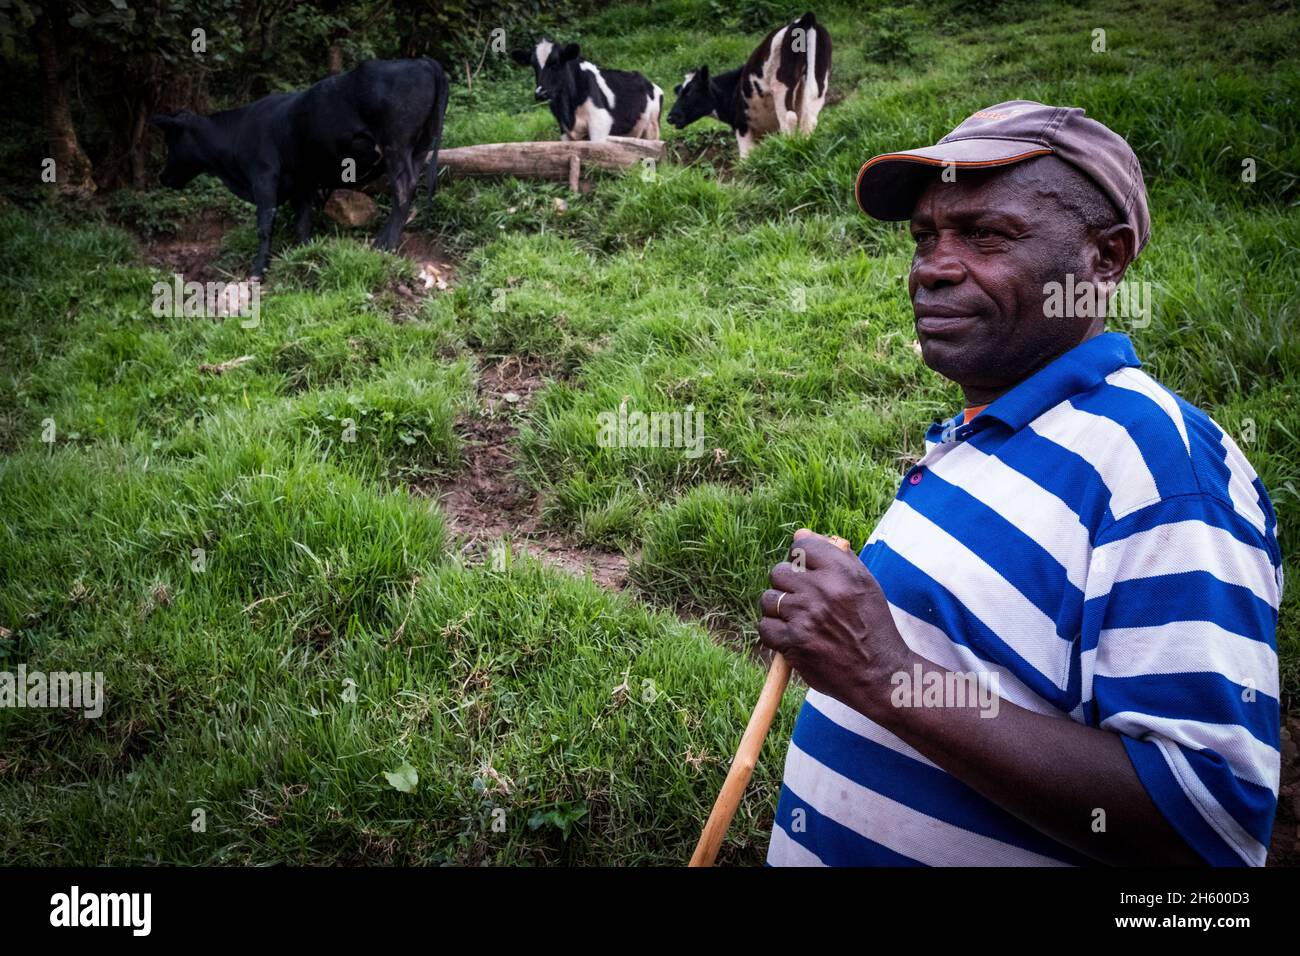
998	114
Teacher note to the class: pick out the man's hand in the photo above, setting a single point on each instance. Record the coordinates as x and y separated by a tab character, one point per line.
828	616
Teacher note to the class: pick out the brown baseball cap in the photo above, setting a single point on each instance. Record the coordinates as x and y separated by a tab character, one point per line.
889	185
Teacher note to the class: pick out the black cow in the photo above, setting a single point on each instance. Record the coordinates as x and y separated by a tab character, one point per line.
591	103
382	116
782	86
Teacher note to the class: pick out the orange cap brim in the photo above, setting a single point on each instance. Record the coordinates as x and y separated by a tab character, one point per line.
888	185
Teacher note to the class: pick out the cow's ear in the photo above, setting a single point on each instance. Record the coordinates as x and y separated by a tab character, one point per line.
522	57
702	74
570	52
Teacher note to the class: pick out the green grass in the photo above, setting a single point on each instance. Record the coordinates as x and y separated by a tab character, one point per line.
229	687
754	293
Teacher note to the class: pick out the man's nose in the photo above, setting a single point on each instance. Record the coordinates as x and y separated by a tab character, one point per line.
940	265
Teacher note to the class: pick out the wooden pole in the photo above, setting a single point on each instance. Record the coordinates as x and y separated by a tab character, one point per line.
742	767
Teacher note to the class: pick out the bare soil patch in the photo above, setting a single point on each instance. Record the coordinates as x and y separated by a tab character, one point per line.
720	154
437	267
193	250
487	501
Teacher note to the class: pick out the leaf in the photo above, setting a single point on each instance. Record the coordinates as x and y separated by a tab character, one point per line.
404	778
562	817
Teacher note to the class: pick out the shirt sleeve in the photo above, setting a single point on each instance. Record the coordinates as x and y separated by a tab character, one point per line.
1179	650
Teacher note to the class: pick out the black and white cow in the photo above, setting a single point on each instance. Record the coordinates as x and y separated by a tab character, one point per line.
590	102
382	116
782	87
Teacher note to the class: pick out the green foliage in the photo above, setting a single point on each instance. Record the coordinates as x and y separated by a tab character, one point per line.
890	32
756	16
164	212
404	779
393	426
562	818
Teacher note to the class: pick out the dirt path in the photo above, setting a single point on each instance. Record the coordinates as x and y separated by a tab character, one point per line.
192	251
486	501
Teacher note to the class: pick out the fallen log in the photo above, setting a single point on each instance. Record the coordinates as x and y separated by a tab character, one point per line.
551	159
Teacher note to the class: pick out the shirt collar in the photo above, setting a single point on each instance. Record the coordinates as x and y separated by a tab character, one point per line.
1078	370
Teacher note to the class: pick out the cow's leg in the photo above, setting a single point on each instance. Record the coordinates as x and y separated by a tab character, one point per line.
402	177
786	119
647	127
302	209
651	130
599	126
744	142
808	118
265	220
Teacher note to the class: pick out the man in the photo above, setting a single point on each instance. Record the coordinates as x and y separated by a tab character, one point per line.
1057	647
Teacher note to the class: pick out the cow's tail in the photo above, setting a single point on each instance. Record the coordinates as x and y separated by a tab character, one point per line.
439	113
808	23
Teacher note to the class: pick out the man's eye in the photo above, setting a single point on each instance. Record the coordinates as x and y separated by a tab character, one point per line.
922	236
982	234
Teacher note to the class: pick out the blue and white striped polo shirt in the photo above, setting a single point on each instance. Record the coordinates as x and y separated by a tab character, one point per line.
1106	550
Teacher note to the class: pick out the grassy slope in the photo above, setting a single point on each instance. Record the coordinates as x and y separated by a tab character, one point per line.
523	689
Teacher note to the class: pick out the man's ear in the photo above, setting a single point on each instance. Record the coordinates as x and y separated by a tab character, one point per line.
1112	251
570	52
522	57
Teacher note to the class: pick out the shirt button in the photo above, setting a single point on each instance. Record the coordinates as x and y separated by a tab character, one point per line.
916	477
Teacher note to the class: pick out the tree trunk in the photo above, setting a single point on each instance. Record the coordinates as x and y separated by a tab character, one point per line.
548	159
336	57
72	168
138	146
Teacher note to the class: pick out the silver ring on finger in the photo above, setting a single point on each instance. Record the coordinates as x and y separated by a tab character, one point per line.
778	603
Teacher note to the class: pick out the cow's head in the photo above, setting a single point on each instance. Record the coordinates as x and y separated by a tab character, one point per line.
544	54
184	152
536	57
694	99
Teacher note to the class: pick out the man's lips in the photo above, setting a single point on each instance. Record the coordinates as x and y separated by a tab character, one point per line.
943	323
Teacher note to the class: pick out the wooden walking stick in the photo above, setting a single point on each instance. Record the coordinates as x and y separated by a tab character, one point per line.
742	767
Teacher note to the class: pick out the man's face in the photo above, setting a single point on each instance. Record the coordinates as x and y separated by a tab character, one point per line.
986	245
